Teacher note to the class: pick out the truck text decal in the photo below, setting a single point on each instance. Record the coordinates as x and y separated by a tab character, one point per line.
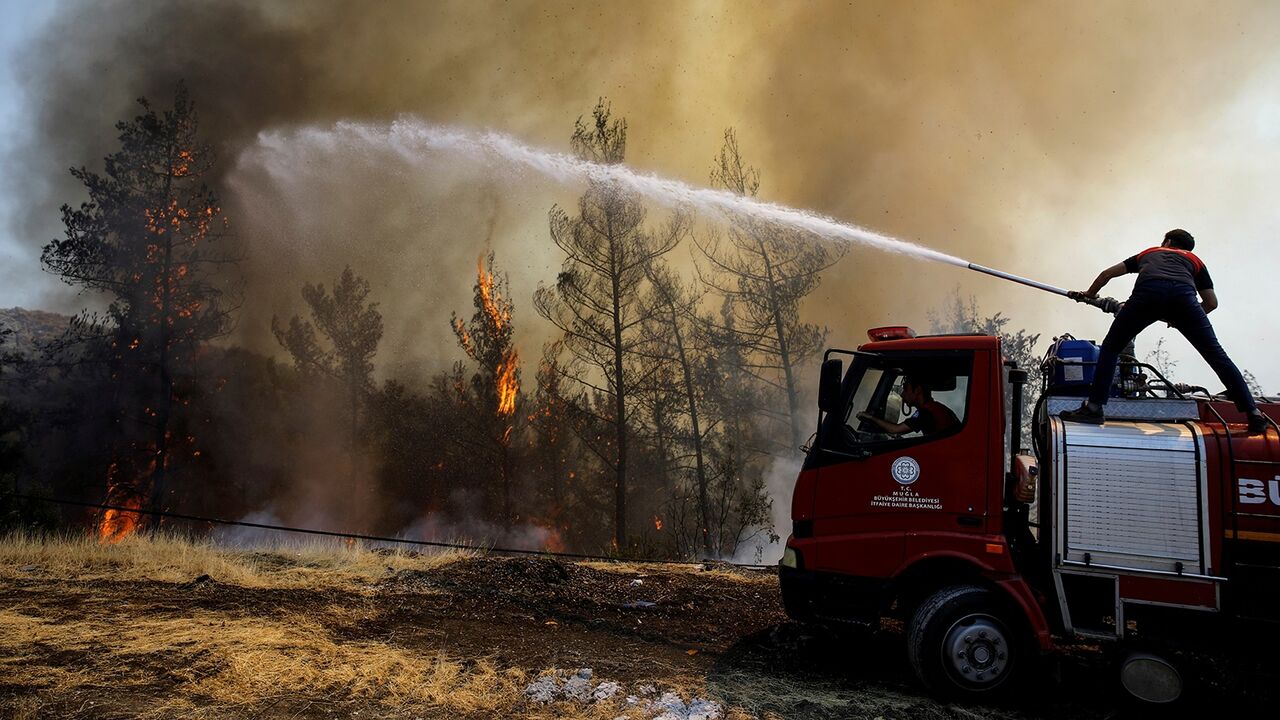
906	498
1255	492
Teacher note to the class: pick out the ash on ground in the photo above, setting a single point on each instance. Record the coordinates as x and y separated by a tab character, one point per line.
577	686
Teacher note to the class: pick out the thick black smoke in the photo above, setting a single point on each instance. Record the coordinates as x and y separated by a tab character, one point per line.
945	123
992	131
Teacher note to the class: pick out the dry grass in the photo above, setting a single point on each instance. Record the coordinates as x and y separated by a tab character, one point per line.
90	648
230	665
169	558
714	571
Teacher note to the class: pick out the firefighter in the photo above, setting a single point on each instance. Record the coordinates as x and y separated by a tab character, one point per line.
1169	278
930	416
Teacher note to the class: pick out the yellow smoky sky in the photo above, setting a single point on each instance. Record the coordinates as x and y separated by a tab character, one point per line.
1049	139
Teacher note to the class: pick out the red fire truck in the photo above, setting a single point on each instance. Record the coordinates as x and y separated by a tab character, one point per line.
1157	529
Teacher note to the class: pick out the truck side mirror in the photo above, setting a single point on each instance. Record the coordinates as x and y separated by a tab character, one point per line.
829	385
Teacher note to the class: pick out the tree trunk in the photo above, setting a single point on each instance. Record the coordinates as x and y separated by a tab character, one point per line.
355	404
620	407
784	353
159	478
507	514
704	505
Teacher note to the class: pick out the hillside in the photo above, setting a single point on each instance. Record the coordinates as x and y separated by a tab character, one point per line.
30	327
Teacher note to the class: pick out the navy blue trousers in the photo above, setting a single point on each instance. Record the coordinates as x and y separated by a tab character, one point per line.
1176	303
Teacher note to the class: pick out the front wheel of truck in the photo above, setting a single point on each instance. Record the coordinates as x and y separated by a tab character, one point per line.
962	643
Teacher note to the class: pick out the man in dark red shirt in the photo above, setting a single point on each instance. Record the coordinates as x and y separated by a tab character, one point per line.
930	416
1169	278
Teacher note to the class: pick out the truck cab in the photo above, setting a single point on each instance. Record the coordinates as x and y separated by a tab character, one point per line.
988	553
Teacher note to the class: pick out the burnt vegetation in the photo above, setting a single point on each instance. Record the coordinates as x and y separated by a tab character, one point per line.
645	427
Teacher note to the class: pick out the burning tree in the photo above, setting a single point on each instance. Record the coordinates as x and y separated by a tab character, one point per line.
495	386
151	239
595	301
767	272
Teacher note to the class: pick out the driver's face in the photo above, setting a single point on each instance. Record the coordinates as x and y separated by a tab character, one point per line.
910	393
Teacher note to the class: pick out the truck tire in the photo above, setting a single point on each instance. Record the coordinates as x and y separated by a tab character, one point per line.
962	645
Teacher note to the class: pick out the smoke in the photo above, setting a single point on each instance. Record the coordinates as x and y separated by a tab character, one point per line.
763	545
253	537
475	532
979	130
1024	136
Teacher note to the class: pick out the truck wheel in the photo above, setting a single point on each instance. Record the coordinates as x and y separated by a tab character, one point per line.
961	644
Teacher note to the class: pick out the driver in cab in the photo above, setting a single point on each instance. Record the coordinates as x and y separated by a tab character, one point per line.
930	416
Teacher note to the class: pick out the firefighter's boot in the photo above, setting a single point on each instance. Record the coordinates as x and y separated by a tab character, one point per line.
1083	414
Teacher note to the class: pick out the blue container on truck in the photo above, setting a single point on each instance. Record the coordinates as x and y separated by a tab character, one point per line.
1072	365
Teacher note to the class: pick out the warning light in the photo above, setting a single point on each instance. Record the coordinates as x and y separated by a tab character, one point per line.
892	332
995	549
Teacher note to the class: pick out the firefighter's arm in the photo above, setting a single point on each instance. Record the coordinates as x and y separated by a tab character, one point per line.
885	425
1208	300
1105	277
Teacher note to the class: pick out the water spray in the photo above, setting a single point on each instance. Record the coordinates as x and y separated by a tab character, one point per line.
411	139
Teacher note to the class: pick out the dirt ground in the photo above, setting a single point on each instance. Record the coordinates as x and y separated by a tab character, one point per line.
463	638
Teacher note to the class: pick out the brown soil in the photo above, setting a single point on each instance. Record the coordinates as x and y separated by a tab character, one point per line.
721	634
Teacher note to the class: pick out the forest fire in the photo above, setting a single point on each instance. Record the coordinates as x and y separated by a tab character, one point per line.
498	311
116	525
553	542
508	384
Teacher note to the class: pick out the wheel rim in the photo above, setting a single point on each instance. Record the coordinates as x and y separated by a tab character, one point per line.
976	652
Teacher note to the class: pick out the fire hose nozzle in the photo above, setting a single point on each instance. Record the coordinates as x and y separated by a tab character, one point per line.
1108	305
1105	304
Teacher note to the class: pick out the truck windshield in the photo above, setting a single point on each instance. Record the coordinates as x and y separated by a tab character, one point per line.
900	397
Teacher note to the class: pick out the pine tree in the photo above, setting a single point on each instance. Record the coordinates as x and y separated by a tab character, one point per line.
152	239
595	301
494	387
767	272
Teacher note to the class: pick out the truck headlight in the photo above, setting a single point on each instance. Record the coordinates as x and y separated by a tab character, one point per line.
790	558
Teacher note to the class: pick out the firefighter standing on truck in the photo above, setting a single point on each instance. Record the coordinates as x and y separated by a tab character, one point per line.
1169	278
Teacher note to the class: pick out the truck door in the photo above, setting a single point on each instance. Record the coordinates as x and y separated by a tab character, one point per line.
874	486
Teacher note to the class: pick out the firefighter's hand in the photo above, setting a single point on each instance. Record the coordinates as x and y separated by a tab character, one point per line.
1081	295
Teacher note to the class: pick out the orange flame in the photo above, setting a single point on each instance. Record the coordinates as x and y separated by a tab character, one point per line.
508	385
657	522
500	315
463	336
117	525
553	542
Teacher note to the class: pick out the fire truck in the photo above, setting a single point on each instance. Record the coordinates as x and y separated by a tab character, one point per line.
1157	530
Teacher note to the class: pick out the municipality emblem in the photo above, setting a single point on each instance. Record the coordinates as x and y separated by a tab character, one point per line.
905	470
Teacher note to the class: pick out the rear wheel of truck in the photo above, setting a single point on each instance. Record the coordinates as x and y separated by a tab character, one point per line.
961	643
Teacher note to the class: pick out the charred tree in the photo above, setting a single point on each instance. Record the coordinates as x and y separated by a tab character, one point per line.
595	301
494	387
767	271
151	239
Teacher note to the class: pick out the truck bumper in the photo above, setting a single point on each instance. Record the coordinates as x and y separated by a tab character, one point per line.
810	596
